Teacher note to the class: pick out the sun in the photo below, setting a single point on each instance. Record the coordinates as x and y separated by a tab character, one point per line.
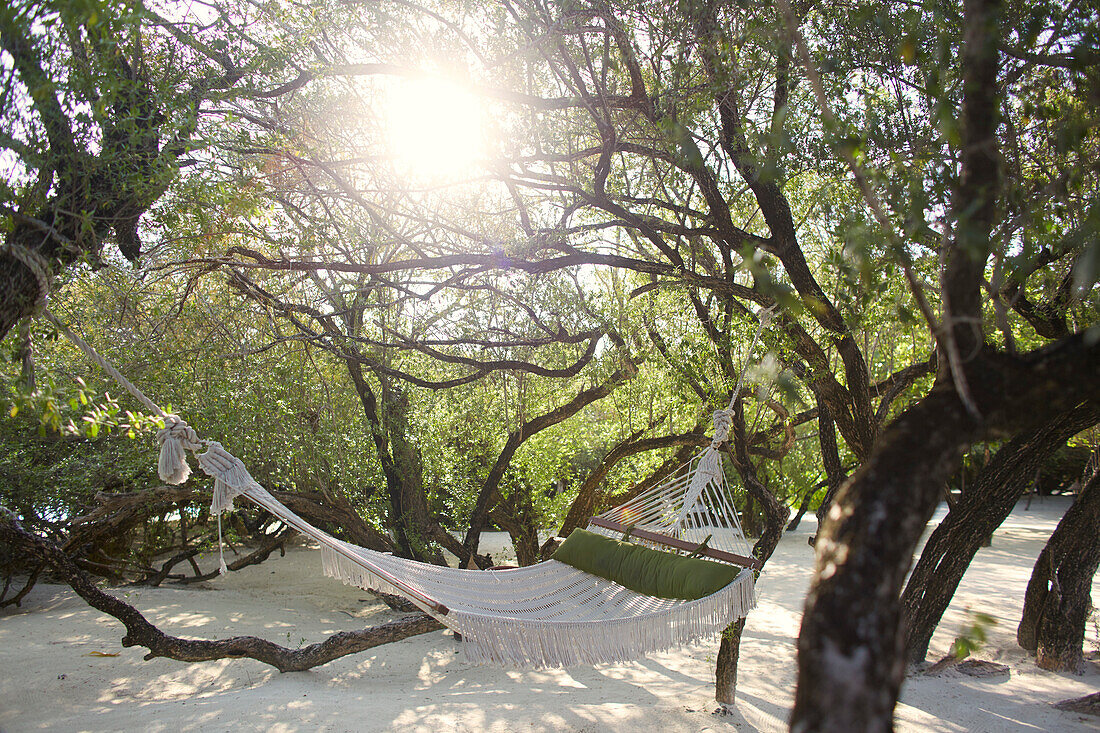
435	130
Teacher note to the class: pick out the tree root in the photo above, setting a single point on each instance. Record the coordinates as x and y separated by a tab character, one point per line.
140	632
1088	705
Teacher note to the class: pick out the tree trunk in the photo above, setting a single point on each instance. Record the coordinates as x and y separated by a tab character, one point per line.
981	508
775	516
804	505
725	669
1058	598
517	518
830	456
851	646
400	460
849	649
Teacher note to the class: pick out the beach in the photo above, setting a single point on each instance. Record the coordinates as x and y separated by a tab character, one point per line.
63	668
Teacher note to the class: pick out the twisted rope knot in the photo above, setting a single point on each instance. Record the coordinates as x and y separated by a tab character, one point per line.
175	437
722	421
231	478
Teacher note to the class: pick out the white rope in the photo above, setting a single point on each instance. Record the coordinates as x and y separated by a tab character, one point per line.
103	364
724	418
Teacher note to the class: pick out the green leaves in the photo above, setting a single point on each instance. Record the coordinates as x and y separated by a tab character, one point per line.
973	635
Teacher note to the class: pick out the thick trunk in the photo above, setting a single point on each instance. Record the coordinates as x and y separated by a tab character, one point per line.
851	646
851	659
1058	598
982	507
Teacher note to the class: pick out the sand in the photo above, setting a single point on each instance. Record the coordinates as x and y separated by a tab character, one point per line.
52	679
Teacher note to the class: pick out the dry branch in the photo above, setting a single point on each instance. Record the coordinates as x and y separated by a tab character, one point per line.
140	632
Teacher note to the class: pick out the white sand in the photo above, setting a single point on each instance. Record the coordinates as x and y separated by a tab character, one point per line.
50	681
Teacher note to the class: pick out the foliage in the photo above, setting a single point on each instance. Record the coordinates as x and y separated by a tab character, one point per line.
973	635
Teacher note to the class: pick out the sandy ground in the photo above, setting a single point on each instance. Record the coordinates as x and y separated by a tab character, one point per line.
52	679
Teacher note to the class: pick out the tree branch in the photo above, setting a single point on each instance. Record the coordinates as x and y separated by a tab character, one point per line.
140	632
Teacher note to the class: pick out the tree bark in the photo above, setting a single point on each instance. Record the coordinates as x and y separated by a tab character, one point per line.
517	517
830	457
1089	704
140	632
982	507
1058	597
775	516
851	647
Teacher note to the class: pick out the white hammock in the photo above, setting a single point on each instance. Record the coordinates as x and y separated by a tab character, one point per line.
544	615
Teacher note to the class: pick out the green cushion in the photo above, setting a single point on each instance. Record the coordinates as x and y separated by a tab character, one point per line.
642	569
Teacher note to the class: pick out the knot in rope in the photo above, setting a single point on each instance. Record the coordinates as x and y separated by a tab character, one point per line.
175	437
722	421
231	478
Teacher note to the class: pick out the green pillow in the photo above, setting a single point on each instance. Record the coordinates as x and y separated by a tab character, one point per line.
642	569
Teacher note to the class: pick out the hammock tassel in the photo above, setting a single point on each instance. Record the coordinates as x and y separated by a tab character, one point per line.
222	569
231	479
175	438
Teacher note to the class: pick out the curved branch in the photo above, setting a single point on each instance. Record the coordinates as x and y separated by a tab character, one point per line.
141	632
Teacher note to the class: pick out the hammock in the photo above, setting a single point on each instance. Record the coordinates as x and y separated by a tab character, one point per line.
545	615
550	614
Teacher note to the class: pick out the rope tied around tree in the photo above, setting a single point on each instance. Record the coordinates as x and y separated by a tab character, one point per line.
176	438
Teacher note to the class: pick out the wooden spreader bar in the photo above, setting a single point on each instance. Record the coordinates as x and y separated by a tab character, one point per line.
663	539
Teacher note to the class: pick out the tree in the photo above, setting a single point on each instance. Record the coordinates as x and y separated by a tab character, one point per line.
719	159
981	508
850	661
1058	599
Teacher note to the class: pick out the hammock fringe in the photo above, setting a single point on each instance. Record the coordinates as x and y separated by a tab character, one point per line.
536	644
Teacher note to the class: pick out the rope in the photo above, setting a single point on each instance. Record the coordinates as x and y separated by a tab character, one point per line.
724	418
105	365
175	438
